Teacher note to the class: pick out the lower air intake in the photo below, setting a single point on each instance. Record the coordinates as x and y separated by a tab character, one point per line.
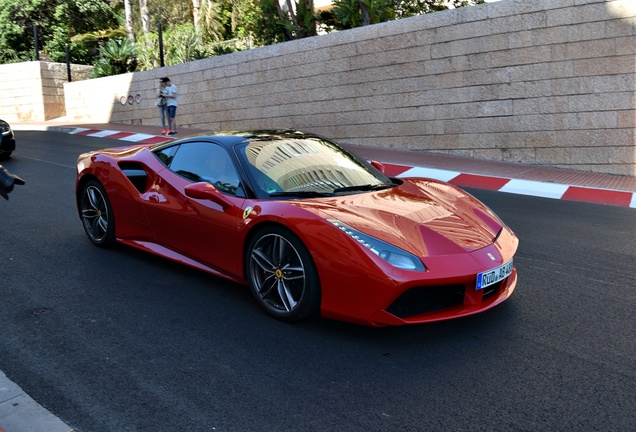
420	300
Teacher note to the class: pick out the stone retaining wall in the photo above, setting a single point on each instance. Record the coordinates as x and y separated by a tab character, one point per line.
541	82
35	90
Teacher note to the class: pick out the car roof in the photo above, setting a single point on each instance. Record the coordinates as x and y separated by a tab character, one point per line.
230	138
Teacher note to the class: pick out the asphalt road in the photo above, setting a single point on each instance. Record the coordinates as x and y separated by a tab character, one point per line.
118	340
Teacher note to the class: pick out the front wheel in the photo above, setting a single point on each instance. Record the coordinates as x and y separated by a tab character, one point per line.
97	214
282	275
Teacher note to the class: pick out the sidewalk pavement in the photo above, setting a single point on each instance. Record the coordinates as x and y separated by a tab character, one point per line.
20	413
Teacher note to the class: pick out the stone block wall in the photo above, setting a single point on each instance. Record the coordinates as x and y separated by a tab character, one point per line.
548	82
22	86
53	76
35	90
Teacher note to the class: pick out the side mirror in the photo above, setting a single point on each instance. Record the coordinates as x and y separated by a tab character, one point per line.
7	181
206	191
377	165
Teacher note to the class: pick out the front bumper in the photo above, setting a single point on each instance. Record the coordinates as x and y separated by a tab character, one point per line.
383	296
7	146
429	304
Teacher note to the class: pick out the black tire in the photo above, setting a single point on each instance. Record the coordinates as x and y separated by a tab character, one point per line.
282	275
97	214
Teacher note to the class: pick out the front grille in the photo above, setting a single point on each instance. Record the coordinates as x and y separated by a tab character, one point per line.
427	299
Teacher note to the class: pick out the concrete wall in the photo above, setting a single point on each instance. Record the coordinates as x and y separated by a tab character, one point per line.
22	85
36	90
536	81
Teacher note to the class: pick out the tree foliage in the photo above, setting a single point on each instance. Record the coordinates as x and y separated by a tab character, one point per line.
103	32
117	56
356	13
347	14
56	20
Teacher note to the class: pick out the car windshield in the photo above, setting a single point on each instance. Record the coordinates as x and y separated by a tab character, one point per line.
307	167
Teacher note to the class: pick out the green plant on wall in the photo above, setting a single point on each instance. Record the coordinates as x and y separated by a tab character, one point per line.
117	56
148	51
347	14
89	44
181	44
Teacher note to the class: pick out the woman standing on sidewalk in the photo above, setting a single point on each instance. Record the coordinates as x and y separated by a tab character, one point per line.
163	109
172	98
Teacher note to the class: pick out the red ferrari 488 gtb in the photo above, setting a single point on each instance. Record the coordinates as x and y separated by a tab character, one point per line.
310	227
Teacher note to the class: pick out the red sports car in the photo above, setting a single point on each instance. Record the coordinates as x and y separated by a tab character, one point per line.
310	227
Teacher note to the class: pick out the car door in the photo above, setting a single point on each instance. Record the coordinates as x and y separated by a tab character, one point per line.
201	229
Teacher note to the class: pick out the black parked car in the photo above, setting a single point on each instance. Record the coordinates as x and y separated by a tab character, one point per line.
7	146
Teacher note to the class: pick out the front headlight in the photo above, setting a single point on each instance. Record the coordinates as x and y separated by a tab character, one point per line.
4	127
391	254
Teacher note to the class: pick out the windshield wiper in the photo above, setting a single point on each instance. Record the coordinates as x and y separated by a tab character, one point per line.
367	187
299	194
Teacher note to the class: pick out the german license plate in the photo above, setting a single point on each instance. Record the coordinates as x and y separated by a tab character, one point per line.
493	276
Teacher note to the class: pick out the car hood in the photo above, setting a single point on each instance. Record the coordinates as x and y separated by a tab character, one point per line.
422	216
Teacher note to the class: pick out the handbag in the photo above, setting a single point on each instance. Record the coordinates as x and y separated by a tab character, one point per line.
161	101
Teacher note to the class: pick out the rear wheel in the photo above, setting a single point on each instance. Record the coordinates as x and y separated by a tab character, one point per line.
282	275
97	214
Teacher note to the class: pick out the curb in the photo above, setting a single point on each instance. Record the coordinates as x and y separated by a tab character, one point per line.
19	412
133	137
521	187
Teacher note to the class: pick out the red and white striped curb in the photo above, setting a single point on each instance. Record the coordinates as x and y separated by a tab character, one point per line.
123	136
478	181
522	187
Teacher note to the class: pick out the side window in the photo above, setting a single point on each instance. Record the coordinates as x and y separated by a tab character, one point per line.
199	161
166	154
